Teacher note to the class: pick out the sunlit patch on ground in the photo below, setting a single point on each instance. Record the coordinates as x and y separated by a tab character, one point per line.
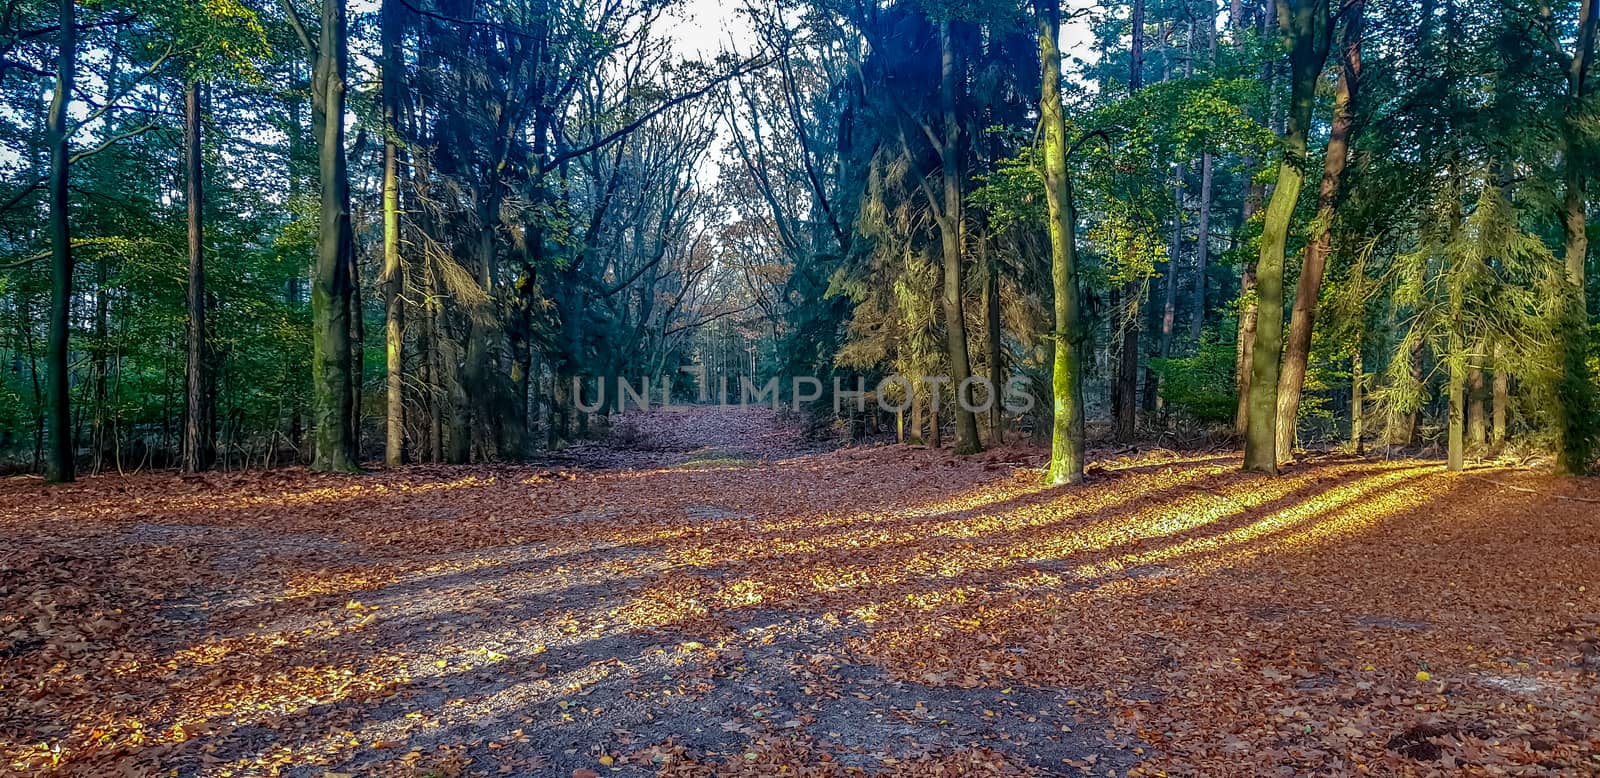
878	610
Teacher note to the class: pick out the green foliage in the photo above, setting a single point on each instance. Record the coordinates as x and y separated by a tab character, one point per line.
1132	246
1013	195
1200	386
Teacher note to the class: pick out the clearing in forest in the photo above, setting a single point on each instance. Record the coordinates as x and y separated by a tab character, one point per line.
728	602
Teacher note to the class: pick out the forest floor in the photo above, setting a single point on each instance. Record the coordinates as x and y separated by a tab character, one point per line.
721	601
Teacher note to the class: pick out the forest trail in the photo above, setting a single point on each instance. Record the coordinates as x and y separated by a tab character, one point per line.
730	601
689	435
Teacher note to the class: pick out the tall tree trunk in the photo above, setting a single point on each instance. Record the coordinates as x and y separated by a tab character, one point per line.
1244	354
1125	390
394	443
1169	307
199	393
102	362
1169	302
1410	427
1202	250
1297	350
1577	414
996	374
1254	196
1477	429
332	284
916	416
295	143
438	394
61	462
1357	411
479	389
1066	382
1502	397
1455	448
1303	24
1457	358
358	351
951	238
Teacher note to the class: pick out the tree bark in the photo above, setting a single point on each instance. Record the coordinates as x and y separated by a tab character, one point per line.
1169	307
916	416
1303	23
1202	250
394	444
1254	196
1576	427
61	461
102	362
332	284
1455	454
1477	429
1244	355
200	394
951	233
1125	390
996	334
1066	382
1410	427
1169	303
1357	412
1502	398
1297	350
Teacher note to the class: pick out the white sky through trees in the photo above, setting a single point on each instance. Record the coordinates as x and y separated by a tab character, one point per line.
701	29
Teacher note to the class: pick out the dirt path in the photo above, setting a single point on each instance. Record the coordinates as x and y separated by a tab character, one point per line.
726	602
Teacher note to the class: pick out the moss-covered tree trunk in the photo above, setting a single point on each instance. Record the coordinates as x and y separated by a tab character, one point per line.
1577	423
1457	390
394	438
996	334
1066	382
1304	25
1297	349
331	283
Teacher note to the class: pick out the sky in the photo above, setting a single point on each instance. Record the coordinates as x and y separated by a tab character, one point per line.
704	27
701	29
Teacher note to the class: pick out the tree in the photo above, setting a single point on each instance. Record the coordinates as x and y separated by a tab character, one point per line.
1297	350
61	465
1066	384
198	440
1577	424
332	284
1306	26
393	75
949	216
1125	389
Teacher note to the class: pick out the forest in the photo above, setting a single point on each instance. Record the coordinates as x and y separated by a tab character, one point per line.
798	387
521	200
